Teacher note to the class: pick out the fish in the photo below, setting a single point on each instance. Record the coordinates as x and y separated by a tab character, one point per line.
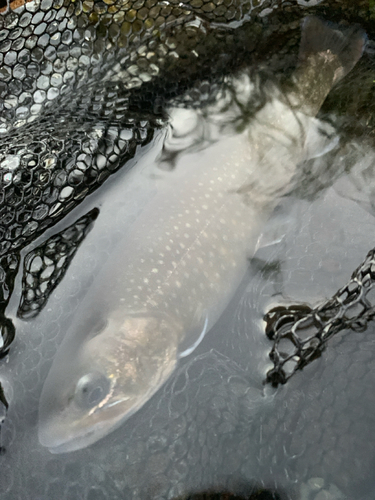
170	278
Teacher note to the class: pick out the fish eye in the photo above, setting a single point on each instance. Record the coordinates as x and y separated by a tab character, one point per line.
91	389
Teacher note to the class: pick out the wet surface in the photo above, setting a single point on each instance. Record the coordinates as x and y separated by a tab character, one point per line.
212	426
214	430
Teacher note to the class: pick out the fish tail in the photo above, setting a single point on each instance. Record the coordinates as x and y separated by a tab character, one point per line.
327	53
347	43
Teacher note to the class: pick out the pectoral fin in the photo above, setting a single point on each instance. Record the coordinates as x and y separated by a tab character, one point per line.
195	337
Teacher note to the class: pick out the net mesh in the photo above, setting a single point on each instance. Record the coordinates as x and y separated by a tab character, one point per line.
83	88
45	266
299	333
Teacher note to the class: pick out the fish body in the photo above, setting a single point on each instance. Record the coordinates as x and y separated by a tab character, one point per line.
164	286
169	280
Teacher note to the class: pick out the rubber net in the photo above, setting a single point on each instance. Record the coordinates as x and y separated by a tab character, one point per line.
299	333
84	86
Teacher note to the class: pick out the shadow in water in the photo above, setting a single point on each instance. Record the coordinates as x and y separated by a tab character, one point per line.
255	493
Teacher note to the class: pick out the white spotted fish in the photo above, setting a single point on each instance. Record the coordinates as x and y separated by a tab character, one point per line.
179	265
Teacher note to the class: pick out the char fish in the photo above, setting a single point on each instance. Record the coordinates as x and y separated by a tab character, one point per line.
179	265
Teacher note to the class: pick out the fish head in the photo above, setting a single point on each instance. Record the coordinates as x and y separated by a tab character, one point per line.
96	385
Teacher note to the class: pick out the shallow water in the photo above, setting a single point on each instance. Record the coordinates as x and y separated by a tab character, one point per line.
214	425
209	426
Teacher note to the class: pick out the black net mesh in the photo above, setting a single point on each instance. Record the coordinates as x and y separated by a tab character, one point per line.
300	333
83	88
53	50
45	266
44	177
66	122
8	269
71	112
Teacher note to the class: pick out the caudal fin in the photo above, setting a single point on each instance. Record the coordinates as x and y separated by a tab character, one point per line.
345	42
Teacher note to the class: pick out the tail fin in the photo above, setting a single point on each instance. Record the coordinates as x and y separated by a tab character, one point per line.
346	42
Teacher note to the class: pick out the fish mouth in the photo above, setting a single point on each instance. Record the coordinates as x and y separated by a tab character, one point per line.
60	432
55	447
52	435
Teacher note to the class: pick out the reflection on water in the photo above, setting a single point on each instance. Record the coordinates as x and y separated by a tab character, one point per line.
214	426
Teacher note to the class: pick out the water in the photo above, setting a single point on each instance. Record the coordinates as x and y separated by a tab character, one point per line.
206	427
214	425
